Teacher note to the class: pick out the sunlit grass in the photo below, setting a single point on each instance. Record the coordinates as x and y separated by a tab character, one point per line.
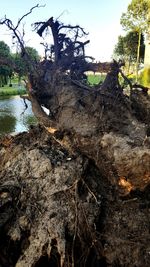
95	79
17	90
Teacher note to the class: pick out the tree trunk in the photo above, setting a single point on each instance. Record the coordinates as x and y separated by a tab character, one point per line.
79	196
129	65
138	55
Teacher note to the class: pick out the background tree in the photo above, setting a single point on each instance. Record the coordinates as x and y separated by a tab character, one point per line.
136	18
21	64
5	71
119	50
33	53
126	48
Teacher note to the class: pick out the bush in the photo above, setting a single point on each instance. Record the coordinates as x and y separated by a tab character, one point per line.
145	77
124	83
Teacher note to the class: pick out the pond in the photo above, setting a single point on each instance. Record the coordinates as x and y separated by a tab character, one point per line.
13	116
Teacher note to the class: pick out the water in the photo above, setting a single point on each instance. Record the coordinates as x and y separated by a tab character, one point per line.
12	115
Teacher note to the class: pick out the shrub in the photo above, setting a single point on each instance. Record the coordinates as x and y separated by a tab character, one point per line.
145	77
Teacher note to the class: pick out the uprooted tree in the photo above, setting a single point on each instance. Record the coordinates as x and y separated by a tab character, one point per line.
75	190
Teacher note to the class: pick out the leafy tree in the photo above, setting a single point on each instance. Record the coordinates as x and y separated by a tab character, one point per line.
119	50
136	18
32	52
5	71
126	47
22	68
4	49
5	74
20	65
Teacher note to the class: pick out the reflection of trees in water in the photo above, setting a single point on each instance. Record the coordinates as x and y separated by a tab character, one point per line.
29	120
12	118
7	124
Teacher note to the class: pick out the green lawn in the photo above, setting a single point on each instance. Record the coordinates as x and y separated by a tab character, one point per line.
14	90
95	79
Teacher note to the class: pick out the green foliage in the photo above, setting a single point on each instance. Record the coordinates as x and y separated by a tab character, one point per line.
126	48
95	79
145	77
5	71
19	63
12	91
119	50
4	49
32	52
22	67
136	17
7	124
124	84
30	120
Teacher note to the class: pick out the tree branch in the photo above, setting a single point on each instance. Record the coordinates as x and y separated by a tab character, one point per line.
42	117
44	26
127	80
25	15
73	27
15	30
144	88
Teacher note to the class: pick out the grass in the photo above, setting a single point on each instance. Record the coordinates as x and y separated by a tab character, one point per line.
96	79
14	90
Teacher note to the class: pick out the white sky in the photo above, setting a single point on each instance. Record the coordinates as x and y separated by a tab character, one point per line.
101	18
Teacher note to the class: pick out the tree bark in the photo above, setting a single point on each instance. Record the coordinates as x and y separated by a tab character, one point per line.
138	54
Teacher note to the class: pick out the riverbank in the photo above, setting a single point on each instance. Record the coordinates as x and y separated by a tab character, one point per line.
14	90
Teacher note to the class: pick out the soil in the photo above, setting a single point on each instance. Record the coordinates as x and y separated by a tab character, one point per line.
61	208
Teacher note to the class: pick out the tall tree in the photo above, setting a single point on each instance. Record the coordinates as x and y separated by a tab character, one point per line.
4	49
136	18
33	53
22	68
5	71
126	48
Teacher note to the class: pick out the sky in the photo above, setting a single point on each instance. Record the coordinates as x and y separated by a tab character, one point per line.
100	18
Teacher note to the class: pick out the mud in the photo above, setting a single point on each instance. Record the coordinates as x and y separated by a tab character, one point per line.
59	208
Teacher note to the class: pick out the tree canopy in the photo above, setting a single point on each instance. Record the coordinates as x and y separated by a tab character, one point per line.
14	62
126	47
5	70
22	67
136	18
4	49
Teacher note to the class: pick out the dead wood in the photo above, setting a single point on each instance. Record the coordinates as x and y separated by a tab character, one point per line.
144	88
